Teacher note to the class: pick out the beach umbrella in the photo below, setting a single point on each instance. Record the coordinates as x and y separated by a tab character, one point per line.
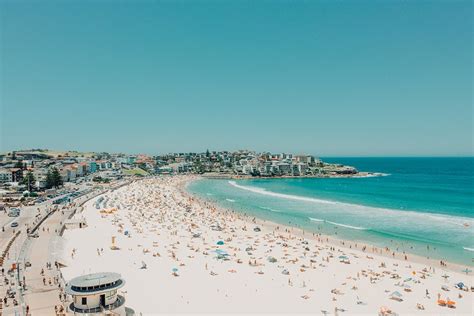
272	259
285	272
175	270
467	271
397	296
343	257
220	242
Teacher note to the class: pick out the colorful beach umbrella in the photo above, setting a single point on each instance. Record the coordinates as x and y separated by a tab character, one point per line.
396	294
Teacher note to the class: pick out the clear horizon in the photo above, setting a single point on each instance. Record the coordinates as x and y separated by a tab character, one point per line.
333	79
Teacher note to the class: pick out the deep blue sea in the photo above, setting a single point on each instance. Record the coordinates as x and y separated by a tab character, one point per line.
422	205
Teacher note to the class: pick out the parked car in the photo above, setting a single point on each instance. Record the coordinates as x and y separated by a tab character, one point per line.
14	224
14	212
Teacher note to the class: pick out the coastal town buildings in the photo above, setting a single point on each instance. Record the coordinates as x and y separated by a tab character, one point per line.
249	163
76	167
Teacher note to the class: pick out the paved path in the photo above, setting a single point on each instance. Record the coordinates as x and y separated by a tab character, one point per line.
41	298
42	290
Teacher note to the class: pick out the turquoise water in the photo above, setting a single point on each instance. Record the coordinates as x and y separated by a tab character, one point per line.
423	205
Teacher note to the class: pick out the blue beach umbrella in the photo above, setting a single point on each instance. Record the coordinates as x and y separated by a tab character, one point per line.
396	294
175	270
220	242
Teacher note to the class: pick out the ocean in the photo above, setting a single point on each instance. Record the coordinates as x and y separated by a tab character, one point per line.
422	205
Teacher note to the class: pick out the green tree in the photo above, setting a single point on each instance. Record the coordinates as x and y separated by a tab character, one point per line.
29	180
19	164
56	177
49	180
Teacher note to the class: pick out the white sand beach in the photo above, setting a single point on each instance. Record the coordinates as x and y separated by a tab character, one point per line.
179	254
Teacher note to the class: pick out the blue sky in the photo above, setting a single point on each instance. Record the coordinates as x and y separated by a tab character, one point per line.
339	78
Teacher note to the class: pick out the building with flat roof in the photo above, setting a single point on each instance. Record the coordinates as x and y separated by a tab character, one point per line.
96	293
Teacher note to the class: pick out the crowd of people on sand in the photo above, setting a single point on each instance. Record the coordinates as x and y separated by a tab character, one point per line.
174	224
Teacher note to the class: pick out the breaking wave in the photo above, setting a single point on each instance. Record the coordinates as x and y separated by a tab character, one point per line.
336	224
269	209
413	215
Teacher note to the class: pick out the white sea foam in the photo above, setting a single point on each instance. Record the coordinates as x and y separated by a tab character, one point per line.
230	200
269	209
468	249
316	219
414	216
336	224
280	195
346	226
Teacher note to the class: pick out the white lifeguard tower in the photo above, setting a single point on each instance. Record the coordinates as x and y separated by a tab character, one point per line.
96	293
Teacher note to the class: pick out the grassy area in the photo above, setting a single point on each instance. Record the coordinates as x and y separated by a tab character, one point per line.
136	171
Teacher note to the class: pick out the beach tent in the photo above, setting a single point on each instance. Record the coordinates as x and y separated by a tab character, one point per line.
396	296
221	254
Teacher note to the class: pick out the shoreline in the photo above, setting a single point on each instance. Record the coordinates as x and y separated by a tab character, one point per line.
207	258
340	242
360	174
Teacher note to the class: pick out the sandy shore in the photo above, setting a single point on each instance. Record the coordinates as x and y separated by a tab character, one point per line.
202	259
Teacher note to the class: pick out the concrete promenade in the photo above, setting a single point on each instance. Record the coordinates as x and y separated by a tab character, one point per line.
42	290
27	282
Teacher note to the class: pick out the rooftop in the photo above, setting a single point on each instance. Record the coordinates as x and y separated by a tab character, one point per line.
95	282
